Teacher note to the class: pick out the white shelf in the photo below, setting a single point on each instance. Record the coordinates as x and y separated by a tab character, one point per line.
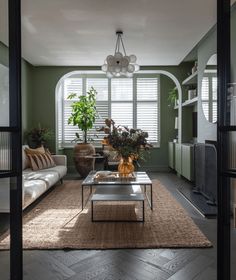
190	102
191	80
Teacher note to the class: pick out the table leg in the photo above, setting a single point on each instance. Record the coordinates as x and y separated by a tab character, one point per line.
151	198
82	195
92	211
143	212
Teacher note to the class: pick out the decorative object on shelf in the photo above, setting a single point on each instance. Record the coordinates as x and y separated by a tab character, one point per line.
173	96
192	92
120	64
39	136
194	69
83	115
176	123
130	144
176	127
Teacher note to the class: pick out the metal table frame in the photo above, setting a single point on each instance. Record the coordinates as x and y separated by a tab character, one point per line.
142	180
107	193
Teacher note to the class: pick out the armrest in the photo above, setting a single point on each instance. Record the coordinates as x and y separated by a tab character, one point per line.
60	159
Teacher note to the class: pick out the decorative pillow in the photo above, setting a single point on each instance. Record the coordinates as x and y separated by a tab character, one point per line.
37	151
40	160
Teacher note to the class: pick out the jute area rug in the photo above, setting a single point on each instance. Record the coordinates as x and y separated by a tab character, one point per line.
57	222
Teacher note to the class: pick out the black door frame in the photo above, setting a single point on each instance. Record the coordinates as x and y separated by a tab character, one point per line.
16	258
223	128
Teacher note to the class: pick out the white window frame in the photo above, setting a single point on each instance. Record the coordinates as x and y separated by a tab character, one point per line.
97	74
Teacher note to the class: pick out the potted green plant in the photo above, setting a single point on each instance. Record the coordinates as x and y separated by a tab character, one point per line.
83	115
130	144
39	136
173	96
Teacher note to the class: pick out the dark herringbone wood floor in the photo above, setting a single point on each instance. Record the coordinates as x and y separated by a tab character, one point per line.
161	264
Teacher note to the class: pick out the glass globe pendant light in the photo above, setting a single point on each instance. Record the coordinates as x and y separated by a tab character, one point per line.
120	64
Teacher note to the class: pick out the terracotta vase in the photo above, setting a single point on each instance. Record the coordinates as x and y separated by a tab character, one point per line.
82	164
125	166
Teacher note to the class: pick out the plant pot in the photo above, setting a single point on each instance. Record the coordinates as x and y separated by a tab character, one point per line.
125	166
82	164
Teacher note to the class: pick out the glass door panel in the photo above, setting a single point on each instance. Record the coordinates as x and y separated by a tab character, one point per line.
5	149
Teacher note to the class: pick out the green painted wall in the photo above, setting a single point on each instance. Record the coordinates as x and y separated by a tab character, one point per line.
45	79
26	85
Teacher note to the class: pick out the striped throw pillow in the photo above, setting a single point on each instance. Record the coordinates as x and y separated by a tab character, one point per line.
40	161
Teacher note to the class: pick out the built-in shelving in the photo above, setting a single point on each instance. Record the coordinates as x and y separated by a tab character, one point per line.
190	102
191	80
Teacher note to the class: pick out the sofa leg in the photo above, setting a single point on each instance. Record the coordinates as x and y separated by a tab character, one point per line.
61	181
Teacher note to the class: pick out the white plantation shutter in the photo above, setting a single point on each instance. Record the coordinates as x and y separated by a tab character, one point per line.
122	89
122	101
147	89
122	113
132	102
60	117
148	107
71	85
147	119
205	96
205	88
101	86
209	97
214	99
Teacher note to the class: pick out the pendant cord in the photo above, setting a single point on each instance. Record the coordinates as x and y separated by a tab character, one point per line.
123	45
117	42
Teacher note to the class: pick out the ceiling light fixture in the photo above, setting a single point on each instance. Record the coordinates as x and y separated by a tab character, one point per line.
120	64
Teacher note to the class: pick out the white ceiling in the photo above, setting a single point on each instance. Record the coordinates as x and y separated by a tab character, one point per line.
82	32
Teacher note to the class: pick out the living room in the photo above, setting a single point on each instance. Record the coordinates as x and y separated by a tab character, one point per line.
118	151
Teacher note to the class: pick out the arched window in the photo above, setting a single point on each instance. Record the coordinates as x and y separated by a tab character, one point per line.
132	102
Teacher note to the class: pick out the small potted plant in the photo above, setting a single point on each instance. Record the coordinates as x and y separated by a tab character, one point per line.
173	97
83	115
39	136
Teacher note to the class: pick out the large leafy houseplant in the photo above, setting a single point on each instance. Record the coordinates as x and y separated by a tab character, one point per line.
83	113
83	116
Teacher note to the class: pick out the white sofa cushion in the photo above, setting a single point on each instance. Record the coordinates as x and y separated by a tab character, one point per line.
35	183
33	189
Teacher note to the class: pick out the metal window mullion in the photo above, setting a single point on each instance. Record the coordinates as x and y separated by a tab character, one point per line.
135	117
159	110
109	98
210	99
84	84
63	113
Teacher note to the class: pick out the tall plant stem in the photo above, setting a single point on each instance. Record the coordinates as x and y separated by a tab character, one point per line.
85	136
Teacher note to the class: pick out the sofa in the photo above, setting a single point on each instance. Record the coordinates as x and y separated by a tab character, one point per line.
35	183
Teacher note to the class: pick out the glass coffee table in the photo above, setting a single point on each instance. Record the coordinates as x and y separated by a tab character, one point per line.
119	190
